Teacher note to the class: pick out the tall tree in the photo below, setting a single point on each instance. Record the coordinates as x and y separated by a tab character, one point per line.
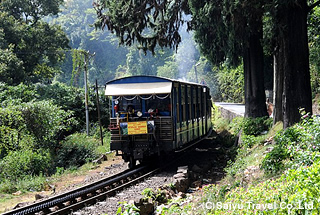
224	30
31	11
76	18
293	89
38	45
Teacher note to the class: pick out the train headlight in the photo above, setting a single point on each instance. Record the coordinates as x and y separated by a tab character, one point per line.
139	113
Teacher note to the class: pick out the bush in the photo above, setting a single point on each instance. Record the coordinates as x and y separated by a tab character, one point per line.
299	145
248	141
27	183
231	83
76	150
21	92
41	121
46	121
297	188
255	126
18	164
273	161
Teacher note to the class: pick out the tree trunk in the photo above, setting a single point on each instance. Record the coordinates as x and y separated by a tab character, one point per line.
295	60
255	97
278	85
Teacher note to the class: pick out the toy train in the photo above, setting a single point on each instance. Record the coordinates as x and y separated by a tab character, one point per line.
153	115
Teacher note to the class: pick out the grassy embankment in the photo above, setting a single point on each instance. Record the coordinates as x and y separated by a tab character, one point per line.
273	172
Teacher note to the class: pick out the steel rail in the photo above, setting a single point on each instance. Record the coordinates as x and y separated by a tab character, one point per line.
85	193
102	196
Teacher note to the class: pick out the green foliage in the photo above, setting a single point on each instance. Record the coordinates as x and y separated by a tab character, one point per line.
248	140
297	188
19	93
314	46
25	184
219	122
31	11
237	165
22	163
255	126
11	68
168	70
141	64
30	49
41	121
296	146
130	19
157	196
273	161
236	125
128	209
76	150
148	193
231	84
46	121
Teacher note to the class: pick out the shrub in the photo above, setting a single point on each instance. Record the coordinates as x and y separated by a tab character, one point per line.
18	164
299	145
76	150
248	140
42	121
273	161
236	125
27	183
21	92
255	126
295	192
237	166
46	121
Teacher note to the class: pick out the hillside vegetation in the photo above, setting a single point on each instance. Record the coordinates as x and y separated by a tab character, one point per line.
41	133
274	172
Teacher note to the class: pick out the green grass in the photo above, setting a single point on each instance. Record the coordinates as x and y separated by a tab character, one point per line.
293	185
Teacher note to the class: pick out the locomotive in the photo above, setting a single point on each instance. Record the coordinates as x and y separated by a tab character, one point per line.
153	115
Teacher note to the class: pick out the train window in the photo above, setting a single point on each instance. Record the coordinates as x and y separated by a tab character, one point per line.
199	102
129	102
194	100
178	105
183	98
189	103
160	104
183	102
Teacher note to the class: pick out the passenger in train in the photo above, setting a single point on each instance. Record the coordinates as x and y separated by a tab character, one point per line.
130	110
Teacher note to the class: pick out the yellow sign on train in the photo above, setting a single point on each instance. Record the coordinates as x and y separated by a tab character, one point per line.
137	127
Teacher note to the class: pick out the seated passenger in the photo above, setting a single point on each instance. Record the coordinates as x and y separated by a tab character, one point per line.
130	110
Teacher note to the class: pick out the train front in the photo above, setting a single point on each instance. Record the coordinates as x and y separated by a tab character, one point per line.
141	117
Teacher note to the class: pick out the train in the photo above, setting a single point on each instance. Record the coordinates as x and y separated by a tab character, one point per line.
151	116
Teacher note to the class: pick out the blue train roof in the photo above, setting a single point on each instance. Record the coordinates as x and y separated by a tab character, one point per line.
139	79
141	85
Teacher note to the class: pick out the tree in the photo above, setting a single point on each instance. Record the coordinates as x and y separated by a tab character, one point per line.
314	45
224	30
235	27
31	11
38	45
76	19
293	89
11	69
140	64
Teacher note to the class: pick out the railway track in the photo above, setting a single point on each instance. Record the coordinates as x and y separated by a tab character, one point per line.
89	194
